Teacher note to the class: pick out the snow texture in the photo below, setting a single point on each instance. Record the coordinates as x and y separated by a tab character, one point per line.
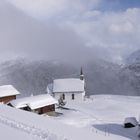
8	90
99	117
34	102
68	85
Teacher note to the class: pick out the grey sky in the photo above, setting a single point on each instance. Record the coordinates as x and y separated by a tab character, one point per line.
68	30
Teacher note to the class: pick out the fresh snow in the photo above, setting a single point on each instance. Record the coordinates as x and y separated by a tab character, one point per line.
34	102
8	90
68	85
100	117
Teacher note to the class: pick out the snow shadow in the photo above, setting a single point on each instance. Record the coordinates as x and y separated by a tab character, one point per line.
117	129
57	114
65	108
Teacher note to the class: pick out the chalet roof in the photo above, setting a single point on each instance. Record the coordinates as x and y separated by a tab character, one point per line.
68	85
8	90
34	102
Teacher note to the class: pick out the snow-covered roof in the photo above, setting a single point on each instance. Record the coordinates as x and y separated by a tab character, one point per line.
8	90
131	120
68	85
34	102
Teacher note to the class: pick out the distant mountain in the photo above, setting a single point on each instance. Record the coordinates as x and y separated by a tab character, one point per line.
101	77
135	72
133	66
108	78
32	77
134	58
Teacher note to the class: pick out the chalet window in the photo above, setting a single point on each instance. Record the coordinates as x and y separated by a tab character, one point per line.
63	96
72	96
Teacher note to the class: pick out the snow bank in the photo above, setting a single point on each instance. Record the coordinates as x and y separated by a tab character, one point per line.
99	119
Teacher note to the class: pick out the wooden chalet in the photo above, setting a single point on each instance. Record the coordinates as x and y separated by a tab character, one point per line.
39	104
7	93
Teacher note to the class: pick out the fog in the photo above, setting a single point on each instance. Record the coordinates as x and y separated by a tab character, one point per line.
23	36
74	31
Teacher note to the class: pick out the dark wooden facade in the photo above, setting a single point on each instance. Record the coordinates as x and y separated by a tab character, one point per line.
7	99
45	109
42	110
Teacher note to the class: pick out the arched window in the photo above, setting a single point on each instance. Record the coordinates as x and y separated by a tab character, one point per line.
72	96
63	96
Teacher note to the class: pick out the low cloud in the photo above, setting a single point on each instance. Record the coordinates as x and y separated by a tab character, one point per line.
52	8
49	29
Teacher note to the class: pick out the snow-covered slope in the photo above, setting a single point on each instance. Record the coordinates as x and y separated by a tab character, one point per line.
133	65
100	117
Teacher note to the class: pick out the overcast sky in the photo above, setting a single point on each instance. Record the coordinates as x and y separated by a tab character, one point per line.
69	29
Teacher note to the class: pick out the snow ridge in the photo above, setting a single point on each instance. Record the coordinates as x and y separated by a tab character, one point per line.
32	130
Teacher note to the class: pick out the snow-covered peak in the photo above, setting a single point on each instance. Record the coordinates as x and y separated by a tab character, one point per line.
134	58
